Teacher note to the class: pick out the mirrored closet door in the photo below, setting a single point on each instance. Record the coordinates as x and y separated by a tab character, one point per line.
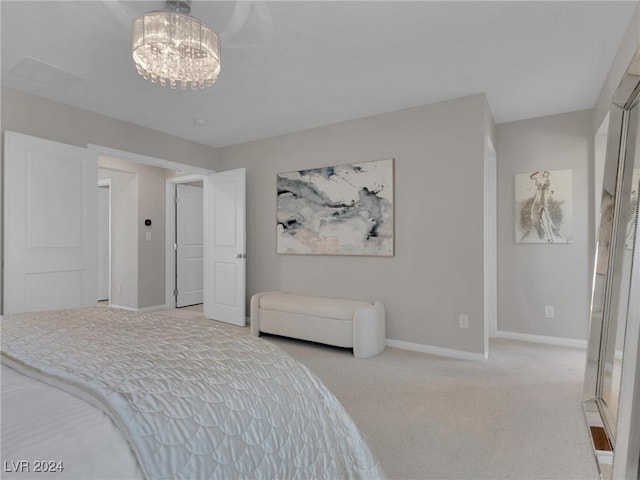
612	357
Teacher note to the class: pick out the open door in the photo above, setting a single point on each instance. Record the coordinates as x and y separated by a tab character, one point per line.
224	246
189	223
50	229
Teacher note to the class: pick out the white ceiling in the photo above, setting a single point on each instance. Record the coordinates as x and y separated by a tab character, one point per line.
288	66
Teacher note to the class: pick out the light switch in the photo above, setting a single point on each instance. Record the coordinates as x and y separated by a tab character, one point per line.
148	236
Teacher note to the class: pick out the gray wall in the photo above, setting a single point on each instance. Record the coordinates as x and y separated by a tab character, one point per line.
437	271
531	276
56	121
40	117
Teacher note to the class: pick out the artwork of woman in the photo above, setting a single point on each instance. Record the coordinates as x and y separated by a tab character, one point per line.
541	214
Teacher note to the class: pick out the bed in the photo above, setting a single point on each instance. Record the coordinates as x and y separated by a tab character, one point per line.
106	393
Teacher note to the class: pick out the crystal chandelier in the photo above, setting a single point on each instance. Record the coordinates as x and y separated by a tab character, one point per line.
172	47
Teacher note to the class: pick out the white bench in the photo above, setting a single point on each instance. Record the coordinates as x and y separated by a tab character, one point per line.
342	323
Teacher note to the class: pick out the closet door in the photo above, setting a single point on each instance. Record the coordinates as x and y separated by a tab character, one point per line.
612	373
50	237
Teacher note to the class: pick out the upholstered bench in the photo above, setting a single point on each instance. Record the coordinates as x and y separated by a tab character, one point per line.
342	323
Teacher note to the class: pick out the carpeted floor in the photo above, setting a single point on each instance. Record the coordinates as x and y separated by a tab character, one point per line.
517	416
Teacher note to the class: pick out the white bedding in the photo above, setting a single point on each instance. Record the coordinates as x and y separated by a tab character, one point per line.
43	423
192	399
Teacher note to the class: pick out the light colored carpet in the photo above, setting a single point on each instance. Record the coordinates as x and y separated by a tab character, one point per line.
517	416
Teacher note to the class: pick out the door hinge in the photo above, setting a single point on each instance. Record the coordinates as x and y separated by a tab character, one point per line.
175	293
175	246
175	199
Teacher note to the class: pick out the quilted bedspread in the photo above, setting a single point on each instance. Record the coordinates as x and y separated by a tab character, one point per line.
193	399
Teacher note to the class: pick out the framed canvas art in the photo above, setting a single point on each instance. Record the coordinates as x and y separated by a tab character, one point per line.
544	207
338	210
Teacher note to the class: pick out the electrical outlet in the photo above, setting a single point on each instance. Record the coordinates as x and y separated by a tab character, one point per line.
463	321
549	312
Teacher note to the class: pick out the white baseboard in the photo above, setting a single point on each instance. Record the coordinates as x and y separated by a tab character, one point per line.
155	308
443	352
526	337
113	305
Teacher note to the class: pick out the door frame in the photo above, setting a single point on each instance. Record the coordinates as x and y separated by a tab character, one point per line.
106	182
190	171
102	151
170	237
490	244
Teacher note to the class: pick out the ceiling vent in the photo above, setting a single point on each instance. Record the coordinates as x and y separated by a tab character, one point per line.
45	74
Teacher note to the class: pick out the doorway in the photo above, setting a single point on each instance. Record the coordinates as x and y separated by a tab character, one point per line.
141	227
104	241
118	238
67	276
189	277
224	238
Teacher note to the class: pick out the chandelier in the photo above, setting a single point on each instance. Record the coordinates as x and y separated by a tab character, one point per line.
172	47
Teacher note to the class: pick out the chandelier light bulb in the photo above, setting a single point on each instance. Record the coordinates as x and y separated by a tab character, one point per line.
173	48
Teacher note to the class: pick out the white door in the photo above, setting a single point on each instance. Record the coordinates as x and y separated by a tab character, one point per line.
104	240
224	252
50	239
189	268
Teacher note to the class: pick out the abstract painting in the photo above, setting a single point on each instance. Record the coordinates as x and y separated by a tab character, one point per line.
544	207
339	210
